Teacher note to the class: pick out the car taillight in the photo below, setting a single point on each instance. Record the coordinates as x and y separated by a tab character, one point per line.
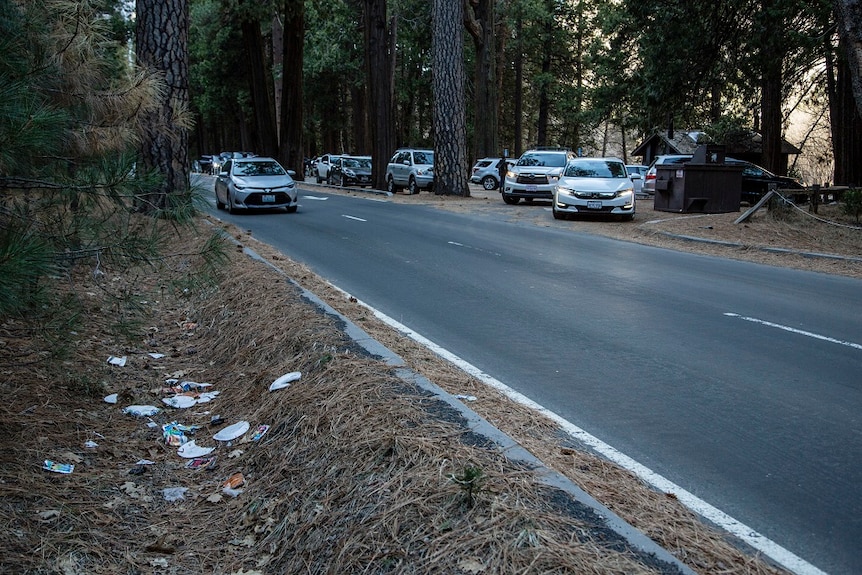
650	177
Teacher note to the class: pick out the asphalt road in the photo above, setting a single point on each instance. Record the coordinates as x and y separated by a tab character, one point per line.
738	382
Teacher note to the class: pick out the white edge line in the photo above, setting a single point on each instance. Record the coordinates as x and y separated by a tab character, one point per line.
776	552
353	218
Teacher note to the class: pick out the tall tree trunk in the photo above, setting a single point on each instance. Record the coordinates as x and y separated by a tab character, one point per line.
544	86
771	53
290	141
479	16
165	142
380	50
450	106
519	86
265	138
845	121
849	14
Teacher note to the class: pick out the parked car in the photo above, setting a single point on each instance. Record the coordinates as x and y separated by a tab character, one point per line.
412	169
755	179
594	186
350	171
254	183
487	172
648	187
323	164
637	173
203	165
535	174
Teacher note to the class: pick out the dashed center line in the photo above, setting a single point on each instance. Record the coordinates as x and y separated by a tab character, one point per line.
796	331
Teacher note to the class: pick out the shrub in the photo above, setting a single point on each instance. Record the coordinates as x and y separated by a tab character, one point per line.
851	203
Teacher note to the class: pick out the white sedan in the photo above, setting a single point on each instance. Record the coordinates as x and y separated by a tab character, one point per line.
594	186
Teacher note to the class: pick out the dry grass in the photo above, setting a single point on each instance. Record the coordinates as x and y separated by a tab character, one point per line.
356	473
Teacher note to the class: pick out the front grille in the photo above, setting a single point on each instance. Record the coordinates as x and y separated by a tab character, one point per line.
538	179
595	195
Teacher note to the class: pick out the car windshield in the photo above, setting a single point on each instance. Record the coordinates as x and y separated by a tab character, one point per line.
596	169
547	160
426	158
258	169
357	162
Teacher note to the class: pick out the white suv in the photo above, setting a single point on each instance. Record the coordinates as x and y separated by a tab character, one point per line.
324	163
412	169
535	174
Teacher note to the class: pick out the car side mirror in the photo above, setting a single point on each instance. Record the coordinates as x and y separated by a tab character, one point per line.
636	177
291	173
406	162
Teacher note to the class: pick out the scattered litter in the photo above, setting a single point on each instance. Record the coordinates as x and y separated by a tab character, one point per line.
65	468
231	492
145	462
231	432
466	397
207	396
191	450
174	493
261	431
139	470
202	463
216	420
284	380
235	453
141	410
174	433
111	398
152	424
118	361
215	498
91	444
159	562
234	481
156	355
48	514
180	401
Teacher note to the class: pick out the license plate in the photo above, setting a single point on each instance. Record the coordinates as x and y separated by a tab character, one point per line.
594	205
268	199
531	187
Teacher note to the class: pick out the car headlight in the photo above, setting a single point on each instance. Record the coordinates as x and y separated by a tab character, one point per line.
238	186
625	192
566	191
350	173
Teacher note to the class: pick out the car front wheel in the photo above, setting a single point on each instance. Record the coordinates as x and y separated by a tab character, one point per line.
390	186
219	204
489	183
414	189
511	200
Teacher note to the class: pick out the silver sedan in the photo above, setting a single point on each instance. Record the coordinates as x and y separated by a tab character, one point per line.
254	183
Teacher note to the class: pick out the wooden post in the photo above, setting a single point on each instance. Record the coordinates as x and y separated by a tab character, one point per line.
815	198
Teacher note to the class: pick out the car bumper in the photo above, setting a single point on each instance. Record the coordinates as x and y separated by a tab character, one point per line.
623	205
526	191
262	199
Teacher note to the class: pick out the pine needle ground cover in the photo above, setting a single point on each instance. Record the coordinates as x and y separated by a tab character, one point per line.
357	471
